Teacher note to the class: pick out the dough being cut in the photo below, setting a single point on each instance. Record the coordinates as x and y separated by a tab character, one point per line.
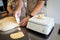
16	35
8	19
8	23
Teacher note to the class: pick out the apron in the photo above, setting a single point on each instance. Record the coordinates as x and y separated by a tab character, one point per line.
23	10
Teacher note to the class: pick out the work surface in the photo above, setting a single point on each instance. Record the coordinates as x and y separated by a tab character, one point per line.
30	35
6	35
53	36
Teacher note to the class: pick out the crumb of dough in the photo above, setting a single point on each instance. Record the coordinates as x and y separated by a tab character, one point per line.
40	16
18	28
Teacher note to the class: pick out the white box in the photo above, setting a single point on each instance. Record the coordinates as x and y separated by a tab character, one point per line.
43	26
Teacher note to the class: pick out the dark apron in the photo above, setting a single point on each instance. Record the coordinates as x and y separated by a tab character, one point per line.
23	10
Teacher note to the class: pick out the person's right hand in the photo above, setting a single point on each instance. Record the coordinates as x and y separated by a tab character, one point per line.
17	12
24	21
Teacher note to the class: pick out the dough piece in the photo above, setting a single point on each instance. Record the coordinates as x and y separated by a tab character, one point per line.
40	16
8	19
16	35
8	23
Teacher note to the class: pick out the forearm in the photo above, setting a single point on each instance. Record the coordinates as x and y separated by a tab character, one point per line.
9	9
37	8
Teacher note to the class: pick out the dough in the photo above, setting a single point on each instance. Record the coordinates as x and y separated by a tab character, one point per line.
8	19
40	16
8	23
16	35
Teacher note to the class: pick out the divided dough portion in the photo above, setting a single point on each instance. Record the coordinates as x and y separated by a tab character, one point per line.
16	35
8	23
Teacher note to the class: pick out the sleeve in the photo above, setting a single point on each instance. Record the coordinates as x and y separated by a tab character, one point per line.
9	2
45	2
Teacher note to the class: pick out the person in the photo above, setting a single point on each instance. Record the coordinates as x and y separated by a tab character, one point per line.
33	8
14	7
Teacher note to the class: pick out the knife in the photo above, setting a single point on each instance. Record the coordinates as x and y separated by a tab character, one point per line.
17	18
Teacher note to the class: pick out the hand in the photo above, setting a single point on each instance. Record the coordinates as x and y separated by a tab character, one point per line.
24	21
10	12
17	12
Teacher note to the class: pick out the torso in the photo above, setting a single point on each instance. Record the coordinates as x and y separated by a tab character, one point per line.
31	4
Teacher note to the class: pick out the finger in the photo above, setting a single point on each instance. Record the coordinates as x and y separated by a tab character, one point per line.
23	24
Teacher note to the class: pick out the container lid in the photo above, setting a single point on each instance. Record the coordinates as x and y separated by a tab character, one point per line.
46	21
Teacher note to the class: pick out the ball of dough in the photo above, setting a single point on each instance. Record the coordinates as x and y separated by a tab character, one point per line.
41	16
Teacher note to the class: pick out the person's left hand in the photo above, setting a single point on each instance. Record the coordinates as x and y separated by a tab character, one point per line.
24	21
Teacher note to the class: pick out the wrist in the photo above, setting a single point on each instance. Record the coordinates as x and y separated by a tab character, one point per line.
30	16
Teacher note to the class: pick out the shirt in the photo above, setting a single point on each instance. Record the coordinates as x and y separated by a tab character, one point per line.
14	4
31	4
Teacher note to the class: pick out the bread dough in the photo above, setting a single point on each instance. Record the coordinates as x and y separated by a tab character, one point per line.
8	19
40	16
16	35
8	23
